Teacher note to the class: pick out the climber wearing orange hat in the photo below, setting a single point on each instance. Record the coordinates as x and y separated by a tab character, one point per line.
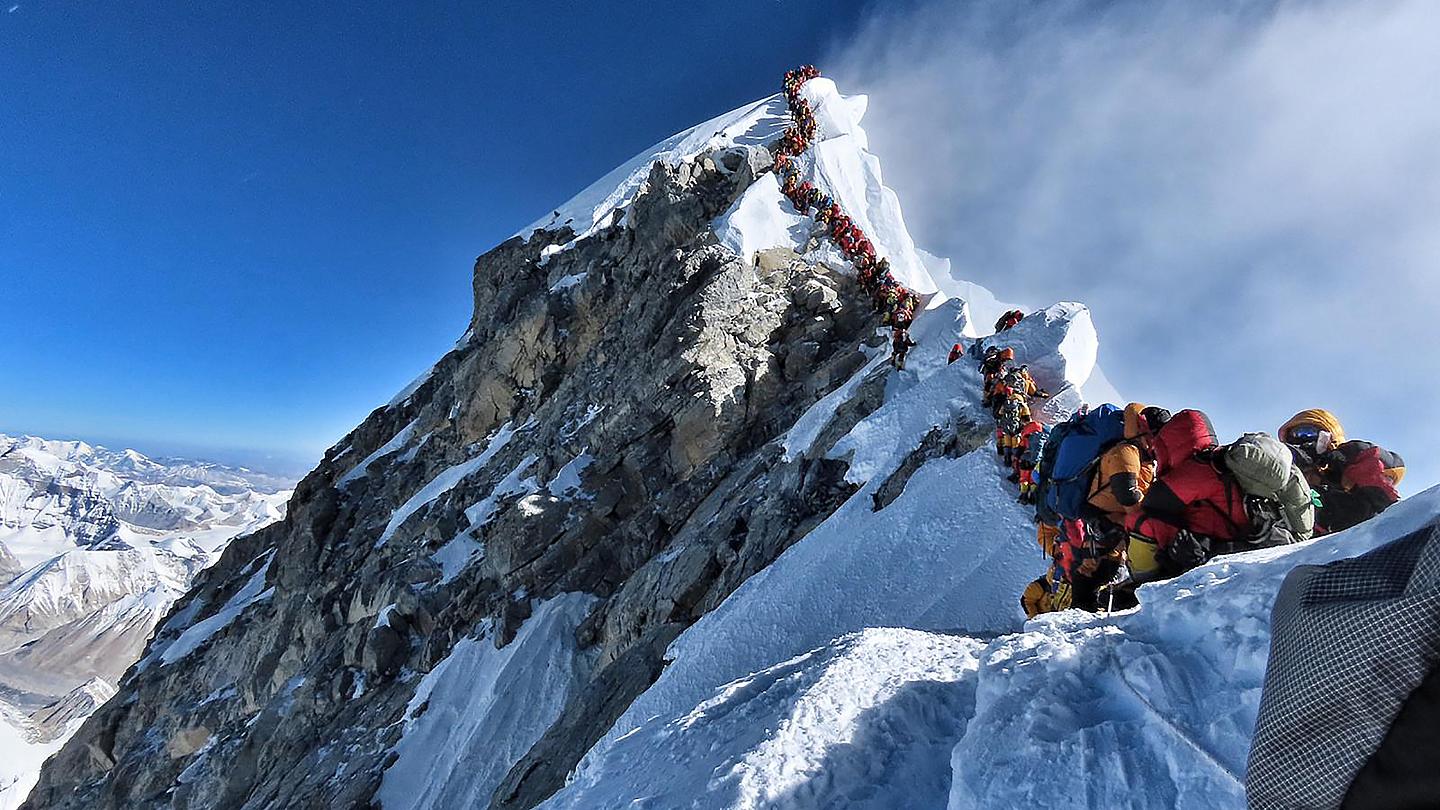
1355	479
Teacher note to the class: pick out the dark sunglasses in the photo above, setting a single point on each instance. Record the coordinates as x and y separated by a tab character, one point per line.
1301	434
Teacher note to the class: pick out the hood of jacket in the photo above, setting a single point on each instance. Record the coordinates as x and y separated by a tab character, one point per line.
1318	417
1134	425
1179	439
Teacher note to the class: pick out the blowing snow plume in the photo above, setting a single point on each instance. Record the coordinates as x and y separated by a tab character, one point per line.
1246	195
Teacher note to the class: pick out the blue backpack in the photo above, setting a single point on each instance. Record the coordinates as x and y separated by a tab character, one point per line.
1072	452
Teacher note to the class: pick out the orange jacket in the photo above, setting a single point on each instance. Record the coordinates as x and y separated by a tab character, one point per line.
1124	475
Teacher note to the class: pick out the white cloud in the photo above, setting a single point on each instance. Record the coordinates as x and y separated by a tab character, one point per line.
1247	196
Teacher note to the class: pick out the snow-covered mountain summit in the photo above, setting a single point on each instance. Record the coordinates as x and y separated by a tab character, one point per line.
666	529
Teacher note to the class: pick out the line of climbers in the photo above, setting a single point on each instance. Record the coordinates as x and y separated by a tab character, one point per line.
1130	495
897	303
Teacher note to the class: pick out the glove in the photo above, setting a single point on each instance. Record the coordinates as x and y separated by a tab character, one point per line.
1188	550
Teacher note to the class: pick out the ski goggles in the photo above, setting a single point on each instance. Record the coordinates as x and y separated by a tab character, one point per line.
1302	434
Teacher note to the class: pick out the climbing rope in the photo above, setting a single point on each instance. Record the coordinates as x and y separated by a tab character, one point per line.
896	303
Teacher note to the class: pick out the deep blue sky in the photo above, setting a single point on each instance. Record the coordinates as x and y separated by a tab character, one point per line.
227	226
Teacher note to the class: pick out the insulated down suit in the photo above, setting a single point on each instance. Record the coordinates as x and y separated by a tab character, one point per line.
1189	492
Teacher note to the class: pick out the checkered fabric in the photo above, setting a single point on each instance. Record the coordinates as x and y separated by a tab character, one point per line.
1349	642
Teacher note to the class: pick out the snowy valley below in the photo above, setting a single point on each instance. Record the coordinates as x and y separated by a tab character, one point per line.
95	546
665	529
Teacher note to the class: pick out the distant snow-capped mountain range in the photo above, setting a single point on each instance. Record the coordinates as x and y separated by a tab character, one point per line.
58	495
95	546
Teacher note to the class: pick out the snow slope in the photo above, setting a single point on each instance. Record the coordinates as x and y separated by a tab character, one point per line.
950	553
752	125
865	722
483	708
1166	695
883	660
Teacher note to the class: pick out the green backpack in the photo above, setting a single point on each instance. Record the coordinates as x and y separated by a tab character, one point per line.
1265	469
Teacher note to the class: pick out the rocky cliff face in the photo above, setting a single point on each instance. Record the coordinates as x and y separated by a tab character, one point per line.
606	430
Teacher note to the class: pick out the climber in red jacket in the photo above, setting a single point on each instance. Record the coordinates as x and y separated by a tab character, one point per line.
1009	320
1193	510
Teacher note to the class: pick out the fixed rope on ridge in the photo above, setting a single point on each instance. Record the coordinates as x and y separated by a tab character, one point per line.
896	302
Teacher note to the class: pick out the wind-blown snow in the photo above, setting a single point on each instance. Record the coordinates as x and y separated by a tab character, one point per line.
485	709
